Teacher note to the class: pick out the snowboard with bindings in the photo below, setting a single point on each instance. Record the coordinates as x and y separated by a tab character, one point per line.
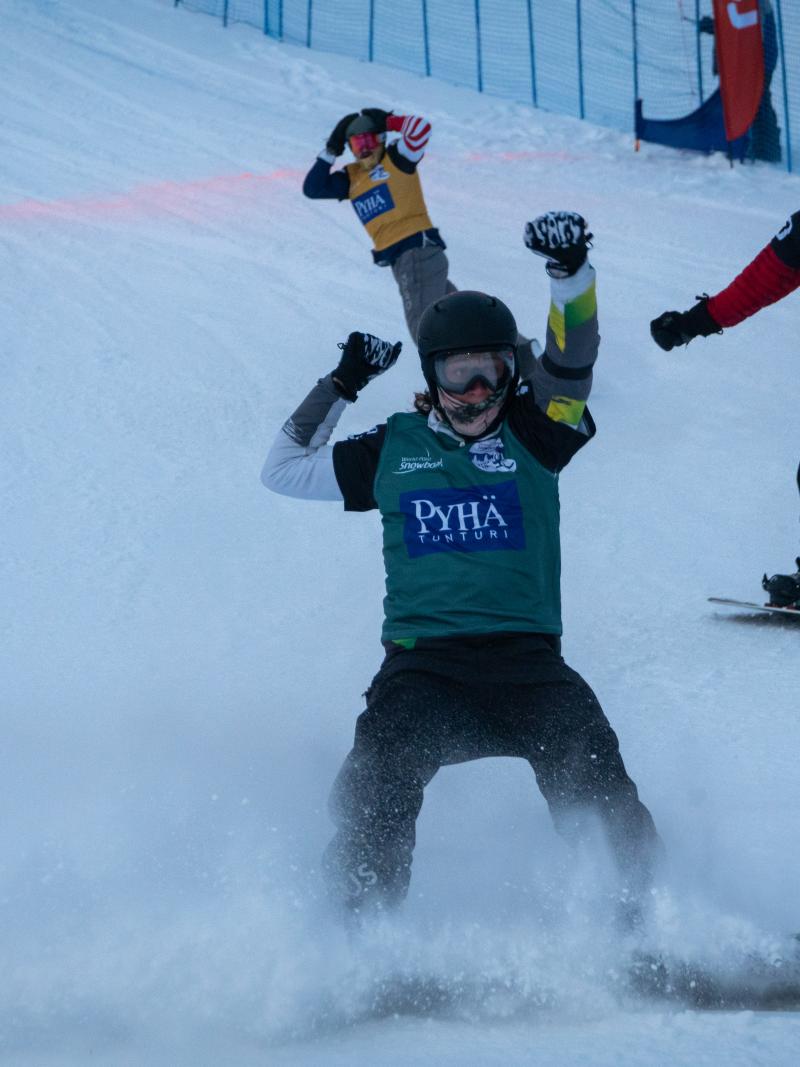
750	605
755	985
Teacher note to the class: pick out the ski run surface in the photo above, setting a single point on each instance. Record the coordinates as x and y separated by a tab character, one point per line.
183	654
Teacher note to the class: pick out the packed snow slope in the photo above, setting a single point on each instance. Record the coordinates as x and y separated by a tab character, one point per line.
183	654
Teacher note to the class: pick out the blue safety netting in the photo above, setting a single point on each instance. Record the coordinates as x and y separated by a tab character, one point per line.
588	58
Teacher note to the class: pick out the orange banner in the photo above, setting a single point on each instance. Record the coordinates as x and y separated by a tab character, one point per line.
740	56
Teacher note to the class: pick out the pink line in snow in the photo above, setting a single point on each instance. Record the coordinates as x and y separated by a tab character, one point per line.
190	199
487	157
185	199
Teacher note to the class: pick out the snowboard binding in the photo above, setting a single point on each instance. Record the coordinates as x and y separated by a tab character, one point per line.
783	589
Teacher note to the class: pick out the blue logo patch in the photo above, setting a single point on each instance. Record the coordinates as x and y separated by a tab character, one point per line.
375	202
479	518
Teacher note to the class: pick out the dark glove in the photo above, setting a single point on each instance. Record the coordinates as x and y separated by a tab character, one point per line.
364	357
674	328
335	143
378	116
561	237
706	25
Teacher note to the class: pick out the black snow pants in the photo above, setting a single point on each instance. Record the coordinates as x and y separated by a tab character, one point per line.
416	722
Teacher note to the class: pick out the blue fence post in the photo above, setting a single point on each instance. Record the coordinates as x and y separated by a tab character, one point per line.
309	15
371	28
785	91
532	52
635	30
578	13
425	37
225	13
699	51
479	55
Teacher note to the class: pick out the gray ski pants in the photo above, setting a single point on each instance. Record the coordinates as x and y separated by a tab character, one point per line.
421	276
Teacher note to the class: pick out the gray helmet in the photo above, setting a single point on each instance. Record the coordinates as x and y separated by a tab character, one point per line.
360	124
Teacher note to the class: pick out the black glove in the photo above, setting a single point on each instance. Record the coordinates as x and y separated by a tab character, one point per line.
706	25
335	143
378	116
679	327
561	237
364	357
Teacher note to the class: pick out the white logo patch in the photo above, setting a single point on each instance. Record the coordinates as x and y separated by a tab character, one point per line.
488	456
785	230
418	463
378	174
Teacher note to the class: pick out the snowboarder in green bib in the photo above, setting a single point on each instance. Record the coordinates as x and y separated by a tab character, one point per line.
467	488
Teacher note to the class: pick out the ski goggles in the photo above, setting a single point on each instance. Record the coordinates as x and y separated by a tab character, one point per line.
364	144
459	372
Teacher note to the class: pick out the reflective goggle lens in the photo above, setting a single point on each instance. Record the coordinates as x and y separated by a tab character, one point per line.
364	144
458	372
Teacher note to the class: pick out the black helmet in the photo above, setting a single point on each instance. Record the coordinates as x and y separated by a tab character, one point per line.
463	321
360	124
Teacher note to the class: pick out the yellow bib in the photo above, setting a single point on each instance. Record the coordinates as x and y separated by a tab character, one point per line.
388	201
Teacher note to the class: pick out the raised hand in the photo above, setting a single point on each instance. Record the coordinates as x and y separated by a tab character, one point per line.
378	116
562	238
673	328
364	357
335	143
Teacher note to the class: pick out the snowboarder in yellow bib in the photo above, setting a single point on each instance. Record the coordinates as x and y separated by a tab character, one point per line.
384	187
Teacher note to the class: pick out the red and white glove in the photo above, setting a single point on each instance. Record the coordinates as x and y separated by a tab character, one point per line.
415	131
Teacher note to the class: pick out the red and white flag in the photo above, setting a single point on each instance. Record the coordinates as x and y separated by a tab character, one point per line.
740	56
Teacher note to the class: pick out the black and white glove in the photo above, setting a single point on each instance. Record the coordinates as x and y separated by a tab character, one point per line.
335	143
562	238
364	357
673	328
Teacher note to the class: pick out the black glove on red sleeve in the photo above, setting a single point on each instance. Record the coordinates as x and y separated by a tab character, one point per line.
673	328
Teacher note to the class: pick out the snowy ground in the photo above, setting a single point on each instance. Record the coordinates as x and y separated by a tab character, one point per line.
183	653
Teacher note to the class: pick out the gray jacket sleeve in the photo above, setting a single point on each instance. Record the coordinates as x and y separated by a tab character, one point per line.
300	462
562	376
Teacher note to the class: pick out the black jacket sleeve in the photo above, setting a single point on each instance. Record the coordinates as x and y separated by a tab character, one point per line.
400	161
552	443
321	183
355	464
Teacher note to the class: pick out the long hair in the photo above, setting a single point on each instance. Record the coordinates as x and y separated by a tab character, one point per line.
423	402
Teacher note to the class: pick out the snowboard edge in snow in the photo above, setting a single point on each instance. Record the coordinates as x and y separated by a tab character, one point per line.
750	605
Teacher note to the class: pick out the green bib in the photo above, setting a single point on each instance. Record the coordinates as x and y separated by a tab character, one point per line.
470	535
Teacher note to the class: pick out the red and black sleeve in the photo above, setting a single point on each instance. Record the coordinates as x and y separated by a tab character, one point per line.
772	275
